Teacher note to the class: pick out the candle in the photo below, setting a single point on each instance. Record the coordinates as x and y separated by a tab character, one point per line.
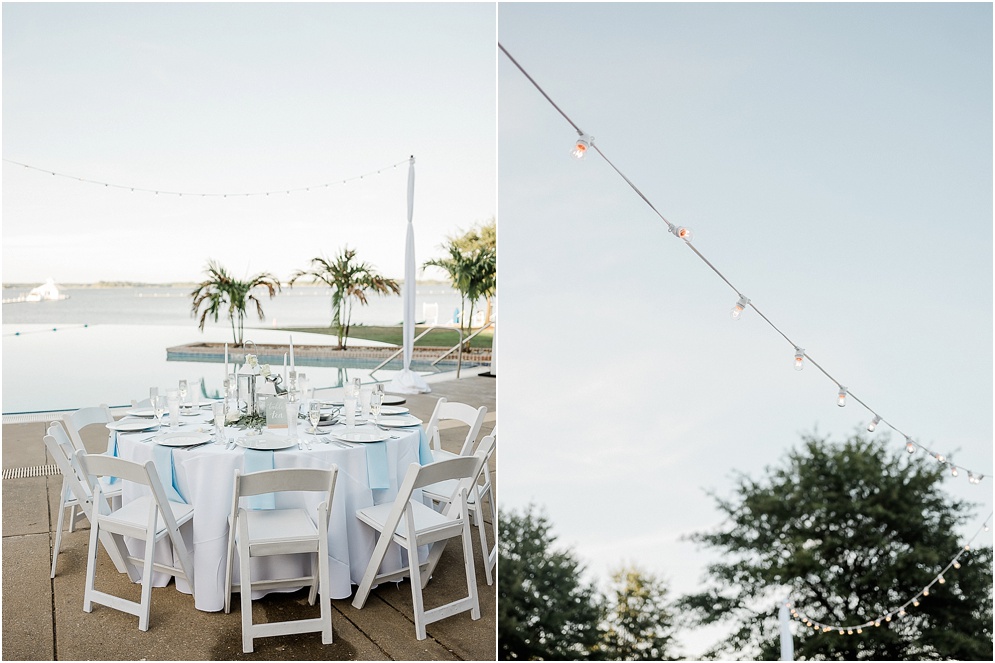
284	368
292	353
226	361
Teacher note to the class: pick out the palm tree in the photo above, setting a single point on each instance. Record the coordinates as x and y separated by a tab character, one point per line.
349	280
222	290
473	272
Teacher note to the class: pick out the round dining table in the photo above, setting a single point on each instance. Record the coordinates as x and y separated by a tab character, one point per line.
203	476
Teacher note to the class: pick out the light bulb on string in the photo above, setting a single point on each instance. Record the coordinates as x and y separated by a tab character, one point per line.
860	630
841	399
915	602
910	446
581	146
874	423
925	592
940	579
740	306
953	471
799	359
901	612
682	232
956	564
888	618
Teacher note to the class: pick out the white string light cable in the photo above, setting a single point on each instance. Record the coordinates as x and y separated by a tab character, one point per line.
203	194
585	143
895	613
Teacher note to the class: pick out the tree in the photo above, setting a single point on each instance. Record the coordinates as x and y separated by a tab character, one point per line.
851	531
221	290
472	268
349	280
544	610
637	624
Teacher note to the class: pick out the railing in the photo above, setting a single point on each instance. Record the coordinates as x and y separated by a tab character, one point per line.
459	360
460	346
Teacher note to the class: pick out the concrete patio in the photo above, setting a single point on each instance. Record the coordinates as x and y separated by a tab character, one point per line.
43	619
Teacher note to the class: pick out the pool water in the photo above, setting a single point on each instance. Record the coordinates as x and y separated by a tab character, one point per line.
76	366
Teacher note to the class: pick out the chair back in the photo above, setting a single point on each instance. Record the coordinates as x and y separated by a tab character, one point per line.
453	411
295	479
83	417
96	465
61	449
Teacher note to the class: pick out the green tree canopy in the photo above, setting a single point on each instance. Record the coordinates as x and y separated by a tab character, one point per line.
545	612
471	264
637	624
349	280
850	531
222	291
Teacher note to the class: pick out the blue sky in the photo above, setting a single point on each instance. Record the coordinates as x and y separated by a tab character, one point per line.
240	97
834	161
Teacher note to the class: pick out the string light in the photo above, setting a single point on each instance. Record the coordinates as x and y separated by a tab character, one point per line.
220	194
902	610
874	424
910	446
841	399
743	301
683	232
740	306
582	145
799	359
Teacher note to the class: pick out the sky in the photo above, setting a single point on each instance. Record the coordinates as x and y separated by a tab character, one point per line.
834	162
241	98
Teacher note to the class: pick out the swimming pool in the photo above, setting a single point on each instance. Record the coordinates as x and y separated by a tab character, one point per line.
65	367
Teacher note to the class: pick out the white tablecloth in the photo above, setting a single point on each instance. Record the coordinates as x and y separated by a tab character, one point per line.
205	478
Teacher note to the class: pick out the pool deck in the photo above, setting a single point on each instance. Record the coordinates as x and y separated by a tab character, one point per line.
43	619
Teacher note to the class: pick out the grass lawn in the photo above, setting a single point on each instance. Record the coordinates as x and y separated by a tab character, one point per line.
392	334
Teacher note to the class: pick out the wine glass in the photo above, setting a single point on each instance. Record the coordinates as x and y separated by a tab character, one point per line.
183	391
314	415
376	400
158	407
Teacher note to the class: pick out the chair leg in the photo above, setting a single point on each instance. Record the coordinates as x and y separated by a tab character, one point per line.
146	602
483	543
471	576
324	576
245	587
72	518
58	534
91	567
414	569
229	563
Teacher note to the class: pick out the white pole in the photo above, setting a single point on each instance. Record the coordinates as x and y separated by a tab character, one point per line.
787	645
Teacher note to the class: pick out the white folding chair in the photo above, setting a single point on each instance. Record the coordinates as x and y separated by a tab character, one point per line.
149	518
265	532
83	417
444	492
411	524
453	411
76	491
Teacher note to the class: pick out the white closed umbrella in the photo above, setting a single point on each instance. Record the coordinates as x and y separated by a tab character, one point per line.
407	381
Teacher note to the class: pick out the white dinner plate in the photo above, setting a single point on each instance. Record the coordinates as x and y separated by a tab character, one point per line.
182	439
400	421
130	425
361	436
391	410
266	442
141	412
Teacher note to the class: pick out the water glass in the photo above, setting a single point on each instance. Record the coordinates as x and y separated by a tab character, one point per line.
303	386
218	409
292	409
194	393
173	401
364	400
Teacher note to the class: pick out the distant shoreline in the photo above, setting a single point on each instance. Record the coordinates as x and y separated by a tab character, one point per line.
179	284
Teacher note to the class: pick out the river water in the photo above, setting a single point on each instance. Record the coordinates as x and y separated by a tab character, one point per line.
108	345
